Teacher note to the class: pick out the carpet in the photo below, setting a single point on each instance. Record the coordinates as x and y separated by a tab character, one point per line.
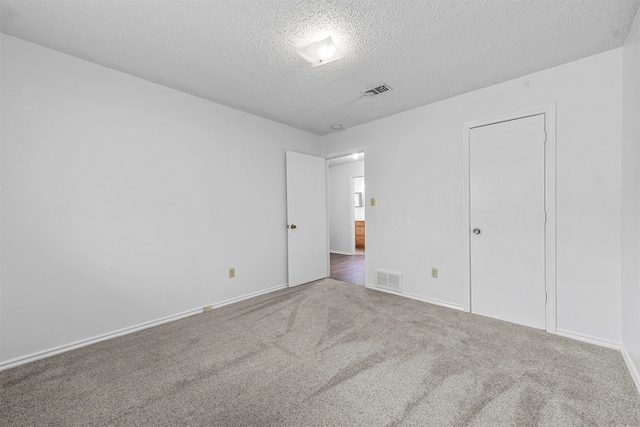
326	353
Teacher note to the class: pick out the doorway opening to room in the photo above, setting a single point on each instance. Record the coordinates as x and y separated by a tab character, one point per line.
347	226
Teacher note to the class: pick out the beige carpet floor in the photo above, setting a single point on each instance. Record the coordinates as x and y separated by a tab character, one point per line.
326	353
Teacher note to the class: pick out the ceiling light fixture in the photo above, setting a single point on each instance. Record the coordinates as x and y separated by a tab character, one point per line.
355	156
320	53
336	127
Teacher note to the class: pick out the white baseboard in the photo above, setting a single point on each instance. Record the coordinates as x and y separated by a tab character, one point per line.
12	363
251	295
341	252
631	367
588	338
418	298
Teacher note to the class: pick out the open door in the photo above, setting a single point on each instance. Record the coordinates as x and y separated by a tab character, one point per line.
306	218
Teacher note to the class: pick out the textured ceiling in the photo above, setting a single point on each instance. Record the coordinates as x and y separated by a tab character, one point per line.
242	53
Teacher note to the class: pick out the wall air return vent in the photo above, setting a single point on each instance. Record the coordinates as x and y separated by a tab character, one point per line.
389	280
377	90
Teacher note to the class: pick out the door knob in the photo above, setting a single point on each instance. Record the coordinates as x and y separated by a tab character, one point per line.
294	226
476	231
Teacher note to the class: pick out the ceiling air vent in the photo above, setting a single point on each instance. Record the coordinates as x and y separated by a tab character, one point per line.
377	90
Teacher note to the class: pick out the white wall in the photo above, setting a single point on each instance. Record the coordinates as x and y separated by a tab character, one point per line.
124	201
340	200
414	228
631	200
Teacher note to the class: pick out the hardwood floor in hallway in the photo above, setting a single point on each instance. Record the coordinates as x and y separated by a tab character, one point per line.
348	268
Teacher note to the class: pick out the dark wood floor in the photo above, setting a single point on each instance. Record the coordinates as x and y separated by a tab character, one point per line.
348	268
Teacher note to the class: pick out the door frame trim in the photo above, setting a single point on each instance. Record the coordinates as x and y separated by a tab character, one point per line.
352	219
550	206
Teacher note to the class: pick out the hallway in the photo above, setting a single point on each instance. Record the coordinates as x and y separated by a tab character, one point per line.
348	268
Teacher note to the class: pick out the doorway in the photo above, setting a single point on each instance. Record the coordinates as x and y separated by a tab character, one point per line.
509	224
347	227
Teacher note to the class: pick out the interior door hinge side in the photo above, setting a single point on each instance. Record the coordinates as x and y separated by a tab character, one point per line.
545	136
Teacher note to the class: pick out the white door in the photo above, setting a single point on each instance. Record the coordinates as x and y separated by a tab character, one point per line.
306	218
507	218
